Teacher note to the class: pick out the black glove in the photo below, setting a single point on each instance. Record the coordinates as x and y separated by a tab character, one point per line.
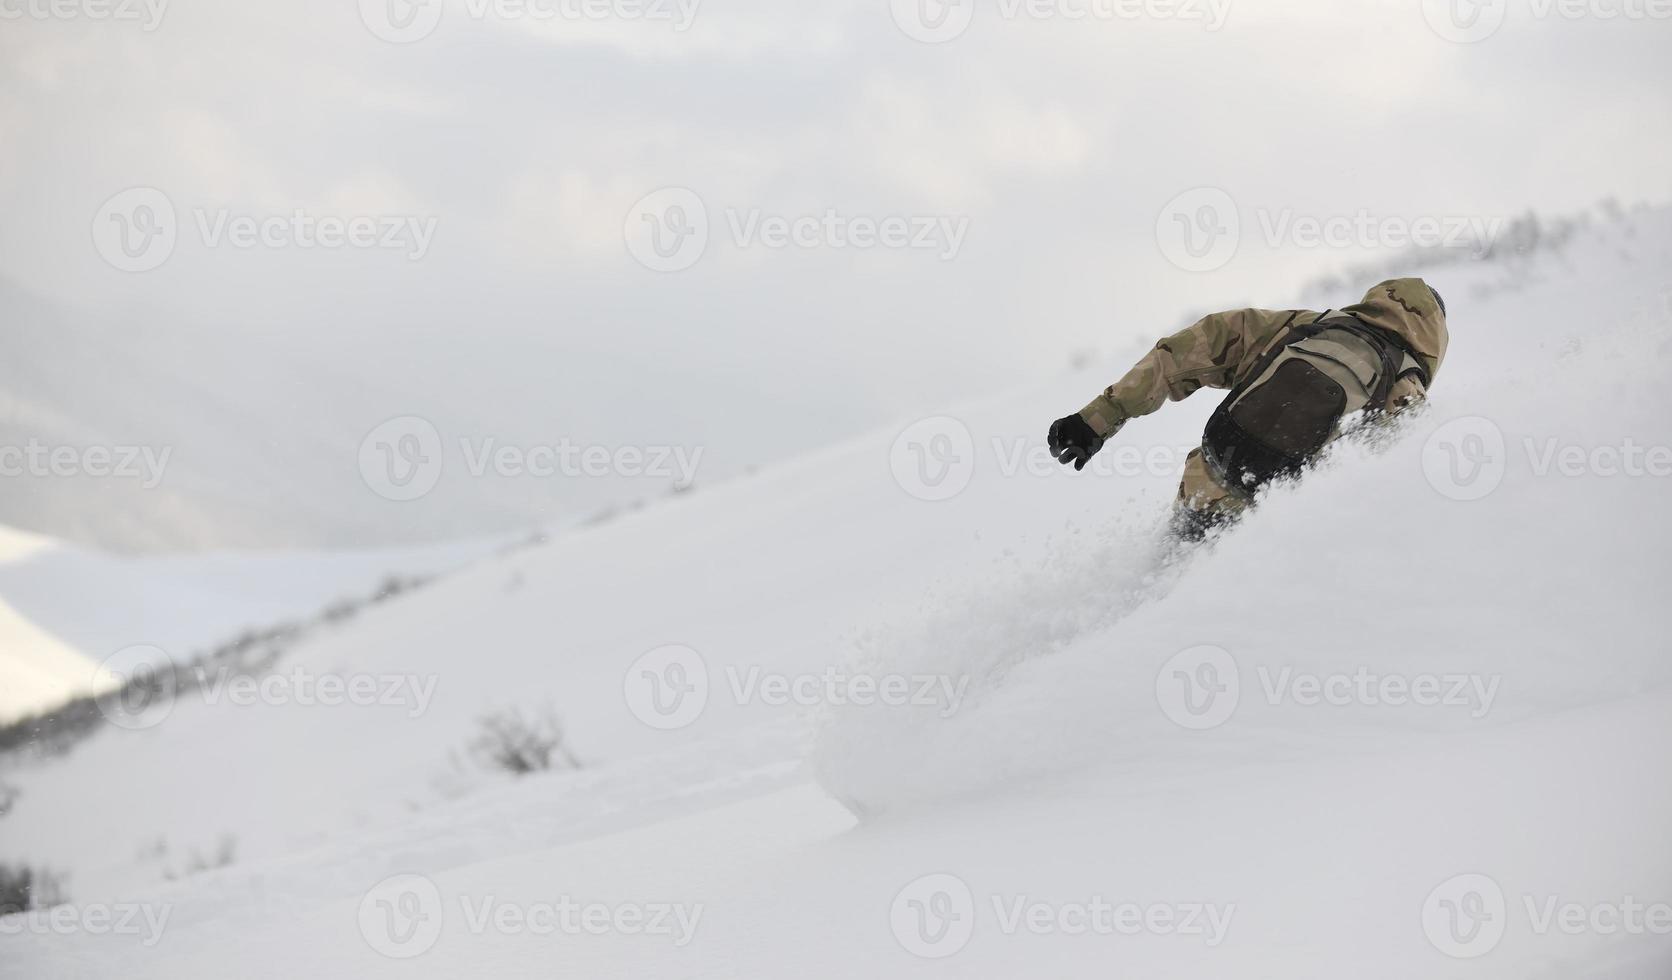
1072	441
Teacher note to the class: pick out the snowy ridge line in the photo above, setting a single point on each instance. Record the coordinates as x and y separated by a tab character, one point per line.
135	688
1527	239
76	616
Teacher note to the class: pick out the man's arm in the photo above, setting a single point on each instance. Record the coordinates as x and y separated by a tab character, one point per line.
1212	352
1208	353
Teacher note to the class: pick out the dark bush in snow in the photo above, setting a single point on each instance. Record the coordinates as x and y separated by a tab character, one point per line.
23	888
510	742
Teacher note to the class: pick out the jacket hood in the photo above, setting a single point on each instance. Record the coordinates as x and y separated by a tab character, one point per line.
1410	309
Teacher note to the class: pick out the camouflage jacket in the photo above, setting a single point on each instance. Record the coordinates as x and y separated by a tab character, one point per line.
1219	350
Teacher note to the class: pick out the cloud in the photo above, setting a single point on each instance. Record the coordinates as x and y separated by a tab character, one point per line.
530	139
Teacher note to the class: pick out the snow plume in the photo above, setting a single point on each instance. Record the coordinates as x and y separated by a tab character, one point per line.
974	636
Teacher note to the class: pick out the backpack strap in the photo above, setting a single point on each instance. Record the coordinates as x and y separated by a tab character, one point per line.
1219	468
1286	335
1398	360
1412	368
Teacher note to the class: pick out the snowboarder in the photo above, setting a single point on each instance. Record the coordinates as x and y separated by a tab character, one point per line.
1294	375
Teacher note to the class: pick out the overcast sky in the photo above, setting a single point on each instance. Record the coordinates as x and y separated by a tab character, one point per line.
1056	176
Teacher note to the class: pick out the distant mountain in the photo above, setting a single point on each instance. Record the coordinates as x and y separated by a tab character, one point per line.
221	438
65	609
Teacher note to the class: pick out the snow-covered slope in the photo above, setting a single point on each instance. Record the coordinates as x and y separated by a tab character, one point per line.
1395	726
